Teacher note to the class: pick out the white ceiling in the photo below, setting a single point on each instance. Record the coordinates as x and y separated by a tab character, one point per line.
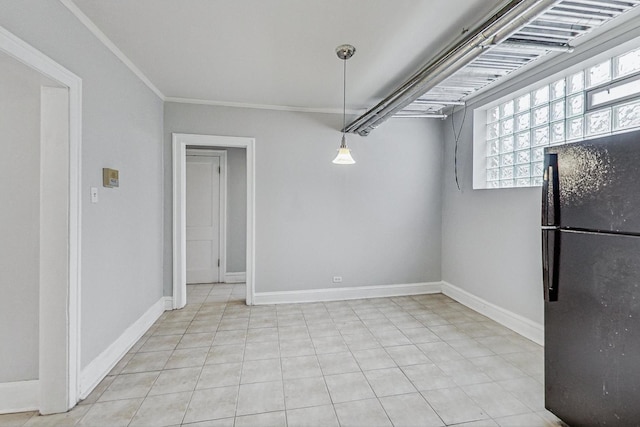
281	52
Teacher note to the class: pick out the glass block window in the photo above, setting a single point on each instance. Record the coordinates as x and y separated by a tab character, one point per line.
628	87
581	105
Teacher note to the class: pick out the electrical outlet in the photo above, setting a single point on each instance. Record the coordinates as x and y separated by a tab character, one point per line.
337	279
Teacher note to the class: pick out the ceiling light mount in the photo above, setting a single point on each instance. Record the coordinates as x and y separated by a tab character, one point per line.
345	51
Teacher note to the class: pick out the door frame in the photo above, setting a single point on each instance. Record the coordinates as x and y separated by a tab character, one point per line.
180	141
60	251
222	203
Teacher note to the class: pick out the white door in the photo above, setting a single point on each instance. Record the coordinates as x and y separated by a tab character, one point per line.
203	219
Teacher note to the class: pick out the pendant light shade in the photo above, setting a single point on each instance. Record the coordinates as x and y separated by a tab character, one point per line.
344	154
344	52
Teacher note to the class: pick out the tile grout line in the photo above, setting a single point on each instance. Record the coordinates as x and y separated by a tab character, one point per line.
195	386
398	314
403	373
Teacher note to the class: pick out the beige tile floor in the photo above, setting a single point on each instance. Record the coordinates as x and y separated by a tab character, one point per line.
409	361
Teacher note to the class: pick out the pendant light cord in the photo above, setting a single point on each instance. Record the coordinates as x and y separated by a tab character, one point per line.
344	96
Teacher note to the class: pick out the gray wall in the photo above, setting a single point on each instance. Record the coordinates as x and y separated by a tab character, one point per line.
121	129
491	244
373	223
490	238
236	209
19	220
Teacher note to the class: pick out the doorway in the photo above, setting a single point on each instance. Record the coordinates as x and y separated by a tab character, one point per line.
55	388
206	207
180	144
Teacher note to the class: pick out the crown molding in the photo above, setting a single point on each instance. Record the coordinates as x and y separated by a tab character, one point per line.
259	106
102	37
75	10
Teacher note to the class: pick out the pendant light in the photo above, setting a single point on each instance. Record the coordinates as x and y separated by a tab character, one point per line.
344	52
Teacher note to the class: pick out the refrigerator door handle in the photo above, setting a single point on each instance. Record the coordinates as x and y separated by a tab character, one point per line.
551	263
550	191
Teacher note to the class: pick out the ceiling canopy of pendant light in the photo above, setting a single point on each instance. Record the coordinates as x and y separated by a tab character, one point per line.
344	52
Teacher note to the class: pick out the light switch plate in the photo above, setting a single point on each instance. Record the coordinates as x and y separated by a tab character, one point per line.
94	194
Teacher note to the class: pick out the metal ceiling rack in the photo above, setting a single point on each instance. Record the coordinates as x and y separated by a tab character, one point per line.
520	32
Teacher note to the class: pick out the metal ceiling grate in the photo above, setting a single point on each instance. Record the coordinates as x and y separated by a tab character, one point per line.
550	31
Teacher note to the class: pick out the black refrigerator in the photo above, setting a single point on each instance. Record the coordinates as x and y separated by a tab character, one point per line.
591	274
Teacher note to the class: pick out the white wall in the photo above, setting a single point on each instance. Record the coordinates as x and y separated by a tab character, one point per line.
491	243
19	220
373	223
122	129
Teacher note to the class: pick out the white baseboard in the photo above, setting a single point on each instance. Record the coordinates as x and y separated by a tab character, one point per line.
237	277
337	294
99	367
168	303
19	396
519	324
